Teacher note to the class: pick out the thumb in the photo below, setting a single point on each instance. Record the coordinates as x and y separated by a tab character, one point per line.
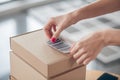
56	35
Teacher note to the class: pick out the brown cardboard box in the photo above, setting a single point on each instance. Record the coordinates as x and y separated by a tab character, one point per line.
21	70
32	48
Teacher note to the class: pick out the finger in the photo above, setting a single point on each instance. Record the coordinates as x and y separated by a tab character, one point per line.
72	46
48	29
48	33
85	62
75	49
57	33
82	58
55	36
79	53
54	28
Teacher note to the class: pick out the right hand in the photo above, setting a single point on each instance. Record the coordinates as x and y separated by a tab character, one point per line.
56	25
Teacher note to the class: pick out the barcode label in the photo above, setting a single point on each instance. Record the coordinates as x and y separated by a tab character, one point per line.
60	45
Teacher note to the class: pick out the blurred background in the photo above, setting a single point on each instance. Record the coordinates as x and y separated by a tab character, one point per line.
20	16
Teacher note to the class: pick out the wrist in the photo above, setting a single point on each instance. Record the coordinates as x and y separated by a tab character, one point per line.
103	36
107	36
112	36
75	16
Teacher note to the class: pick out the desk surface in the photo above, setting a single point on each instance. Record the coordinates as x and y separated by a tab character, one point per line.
94	75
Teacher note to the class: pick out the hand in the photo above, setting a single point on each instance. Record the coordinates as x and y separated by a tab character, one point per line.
56	25
88	48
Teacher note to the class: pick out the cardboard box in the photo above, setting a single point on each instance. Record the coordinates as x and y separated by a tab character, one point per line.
33	49
21	70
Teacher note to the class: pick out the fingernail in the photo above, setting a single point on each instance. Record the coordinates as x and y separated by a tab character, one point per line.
53	39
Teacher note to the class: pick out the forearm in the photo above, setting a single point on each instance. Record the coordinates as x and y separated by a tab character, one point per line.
97	8
111	36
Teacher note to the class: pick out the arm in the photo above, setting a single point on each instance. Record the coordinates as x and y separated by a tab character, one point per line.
88	47
112	36
97	8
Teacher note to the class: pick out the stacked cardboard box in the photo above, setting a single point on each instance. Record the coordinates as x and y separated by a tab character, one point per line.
32	59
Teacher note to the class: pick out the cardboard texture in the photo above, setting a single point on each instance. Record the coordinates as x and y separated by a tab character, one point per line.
23	71
33	49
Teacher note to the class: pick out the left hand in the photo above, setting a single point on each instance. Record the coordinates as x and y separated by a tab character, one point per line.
88	48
